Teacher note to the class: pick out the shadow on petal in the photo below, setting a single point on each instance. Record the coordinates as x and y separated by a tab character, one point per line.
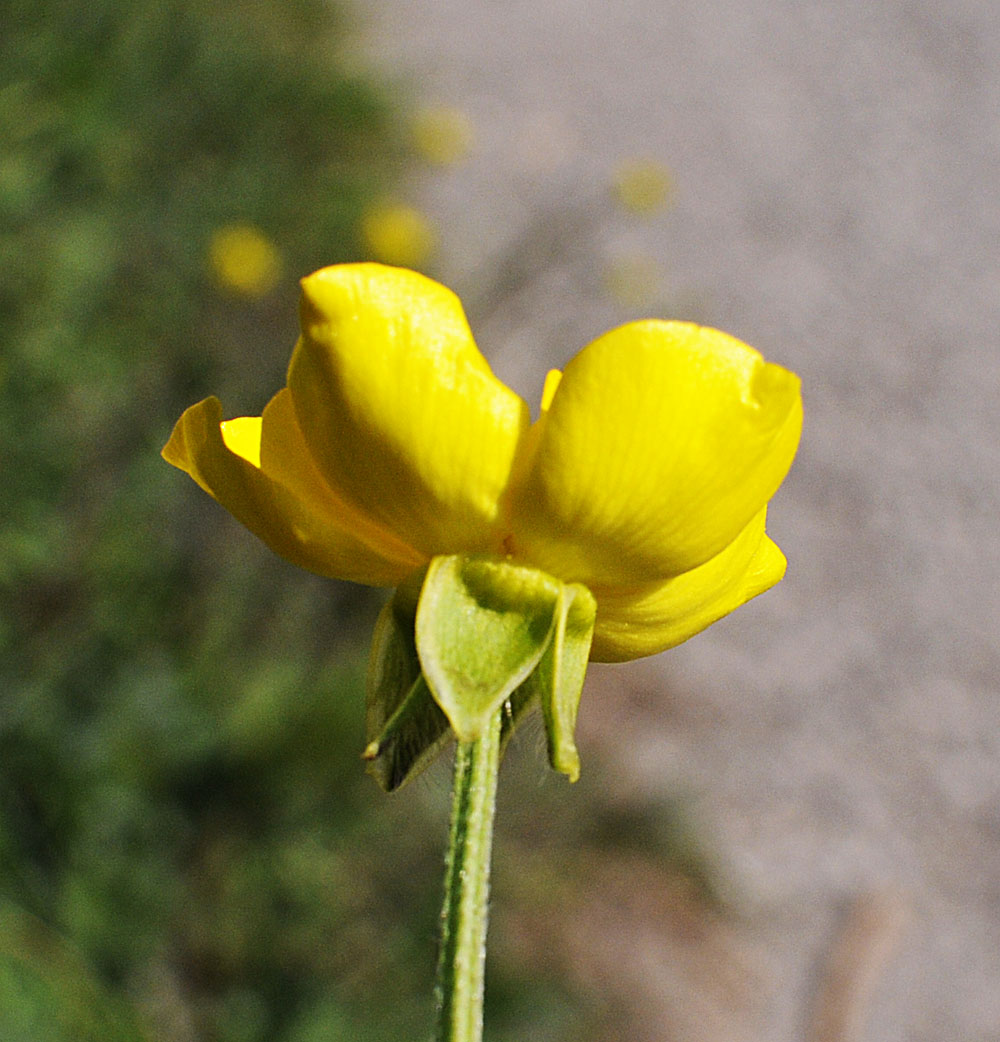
298	520
646	620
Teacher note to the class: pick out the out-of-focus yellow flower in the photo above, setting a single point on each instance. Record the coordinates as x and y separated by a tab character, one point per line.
642	186
646	477
398	234
244	260
442	135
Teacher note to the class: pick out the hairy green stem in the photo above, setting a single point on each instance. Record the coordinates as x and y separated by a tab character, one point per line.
459	988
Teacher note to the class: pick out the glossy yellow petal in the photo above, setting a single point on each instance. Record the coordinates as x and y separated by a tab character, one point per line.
662	441
284	501
285	458
399	408
631	624
243	436
552	380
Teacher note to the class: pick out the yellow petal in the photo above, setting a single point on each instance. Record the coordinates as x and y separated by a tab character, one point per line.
552	380
631	624
243	436
662	441
284	501
399	408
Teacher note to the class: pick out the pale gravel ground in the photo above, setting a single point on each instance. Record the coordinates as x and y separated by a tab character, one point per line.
837	170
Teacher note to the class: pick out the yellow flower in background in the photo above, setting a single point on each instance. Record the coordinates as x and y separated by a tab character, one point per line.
642	186
442	135
645	478
397	234
244	260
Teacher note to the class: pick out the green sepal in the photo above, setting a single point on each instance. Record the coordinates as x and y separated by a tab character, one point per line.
411	738
404	728
482	626
392	663
457	642
557	681
559	676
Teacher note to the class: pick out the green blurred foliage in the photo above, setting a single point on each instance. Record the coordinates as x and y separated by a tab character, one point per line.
48	993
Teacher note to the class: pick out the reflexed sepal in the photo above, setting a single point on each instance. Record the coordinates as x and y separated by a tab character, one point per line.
557	681
404	727
560	674
482	626
410	740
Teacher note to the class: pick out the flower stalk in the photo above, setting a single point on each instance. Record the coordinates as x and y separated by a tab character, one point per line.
459	984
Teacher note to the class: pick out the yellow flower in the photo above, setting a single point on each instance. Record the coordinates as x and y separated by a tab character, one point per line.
642	186
645	478
244	260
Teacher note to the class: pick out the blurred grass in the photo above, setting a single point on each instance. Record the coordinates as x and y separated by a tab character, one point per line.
184	819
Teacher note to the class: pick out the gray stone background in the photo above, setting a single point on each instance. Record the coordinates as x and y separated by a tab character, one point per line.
836	205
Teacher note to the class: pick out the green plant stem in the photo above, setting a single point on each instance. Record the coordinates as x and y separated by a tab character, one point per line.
459	987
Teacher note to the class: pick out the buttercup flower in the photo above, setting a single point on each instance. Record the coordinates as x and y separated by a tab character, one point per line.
645	478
